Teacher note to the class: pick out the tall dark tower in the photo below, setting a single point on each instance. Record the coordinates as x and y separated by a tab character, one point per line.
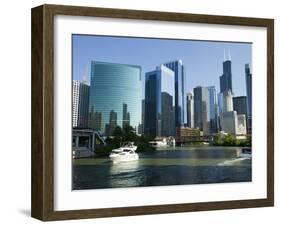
202	109
226	77
248	76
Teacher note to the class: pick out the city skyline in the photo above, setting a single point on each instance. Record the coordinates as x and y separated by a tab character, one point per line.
200	68
170	99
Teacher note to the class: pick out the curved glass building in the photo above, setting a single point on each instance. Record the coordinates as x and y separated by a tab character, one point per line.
115	96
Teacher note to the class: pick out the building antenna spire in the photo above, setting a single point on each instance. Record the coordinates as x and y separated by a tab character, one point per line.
224	55
229	56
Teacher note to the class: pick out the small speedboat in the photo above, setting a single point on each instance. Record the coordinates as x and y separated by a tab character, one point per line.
125	153
246	153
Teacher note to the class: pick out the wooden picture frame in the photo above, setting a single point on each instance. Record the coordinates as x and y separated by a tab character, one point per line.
42	203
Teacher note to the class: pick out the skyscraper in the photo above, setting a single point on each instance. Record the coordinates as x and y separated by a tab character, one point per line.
114	86
213	108
240	105
95	119
248	76
141	126
226	77
180	91
110	127
233	123
190	110
126	115
228	121
241	124
227	101
225	104
84	105
159	102
75	102
202	109
80	104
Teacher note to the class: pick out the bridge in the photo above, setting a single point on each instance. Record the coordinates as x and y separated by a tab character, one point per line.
85	141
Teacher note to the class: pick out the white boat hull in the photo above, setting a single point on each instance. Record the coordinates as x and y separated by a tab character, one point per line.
115	158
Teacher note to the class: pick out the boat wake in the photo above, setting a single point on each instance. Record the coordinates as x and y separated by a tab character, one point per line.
231	162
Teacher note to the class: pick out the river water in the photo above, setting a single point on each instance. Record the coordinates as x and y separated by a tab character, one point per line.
166	166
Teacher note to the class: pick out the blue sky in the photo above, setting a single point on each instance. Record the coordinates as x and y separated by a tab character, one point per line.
202	59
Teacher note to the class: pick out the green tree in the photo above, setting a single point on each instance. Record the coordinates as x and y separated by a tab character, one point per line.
117	140
129	134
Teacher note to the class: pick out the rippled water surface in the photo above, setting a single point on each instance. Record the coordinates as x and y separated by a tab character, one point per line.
167	166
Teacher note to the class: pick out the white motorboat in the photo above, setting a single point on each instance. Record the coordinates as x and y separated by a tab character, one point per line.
245	153
159	142
125	153
163	142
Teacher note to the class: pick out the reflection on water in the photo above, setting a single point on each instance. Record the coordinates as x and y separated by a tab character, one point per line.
166	166
125	167
126	174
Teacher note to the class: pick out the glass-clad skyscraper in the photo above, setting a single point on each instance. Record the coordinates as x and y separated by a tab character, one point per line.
202	109
248	76
159	119
240	105
115	88
213	109
226	78
180	91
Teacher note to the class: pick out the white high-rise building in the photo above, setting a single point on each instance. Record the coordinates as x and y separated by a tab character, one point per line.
225	102
75	102
233	124
80	104
228	102
228	122
242	126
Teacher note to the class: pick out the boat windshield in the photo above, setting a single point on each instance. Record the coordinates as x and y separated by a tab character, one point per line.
126	150
128	144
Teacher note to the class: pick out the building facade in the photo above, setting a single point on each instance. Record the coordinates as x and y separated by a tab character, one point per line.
75	102
213	109
202	109
110	127
126	116
225	102
114	88
159	119
179	90
190	110
141	126
187	132
240	105
226	77
80	104
228	122
241	124
248	76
